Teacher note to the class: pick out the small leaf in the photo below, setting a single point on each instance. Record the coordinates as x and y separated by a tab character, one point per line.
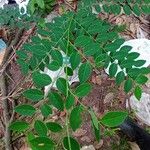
46	110
62	85
75	118
33	94
24	66
41	79
19	126
56	100
136	10
75	60
98	8
40	128
82	41
42	143
68	71
114	119
25	110
83	90
141	79
94	119
120	77
138	92
54	127
54	66
96	131
40	3
139	63
73	143
113	70
133	55
127	9
57	56
70	101
85	71
128	85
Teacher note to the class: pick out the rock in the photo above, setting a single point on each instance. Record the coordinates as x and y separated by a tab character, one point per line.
90	147
141	108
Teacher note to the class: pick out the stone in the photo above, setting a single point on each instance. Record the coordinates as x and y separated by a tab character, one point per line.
90	147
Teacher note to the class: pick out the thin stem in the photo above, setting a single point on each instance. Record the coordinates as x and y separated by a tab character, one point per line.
67	90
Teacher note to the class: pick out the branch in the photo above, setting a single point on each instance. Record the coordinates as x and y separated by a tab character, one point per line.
5	103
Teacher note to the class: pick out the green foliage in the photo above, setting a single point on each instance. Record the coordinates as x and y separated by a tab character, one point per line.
75	117
19	126
46	110
33	94
83	90
54	127
77	42
41	6
40	128
113	119
25	110
74	145
42	143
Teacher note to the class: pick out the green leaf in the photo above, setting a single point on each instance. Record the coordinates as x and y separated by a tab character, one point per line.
75	118
25	110
41	79
62	85
68	71
57	56
120	77
136	9
54	66
127	9
113	70
91	49
128	85
141	79
19	126
70	101
75	60
138	92
116	9
133	55
83	90
40	128
94	119
96	131
139	63
54	127
113	119
42	143
85	71
22	54
33	94
56	100
46	110
98	8
41	3
73	143
82	41
24	66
